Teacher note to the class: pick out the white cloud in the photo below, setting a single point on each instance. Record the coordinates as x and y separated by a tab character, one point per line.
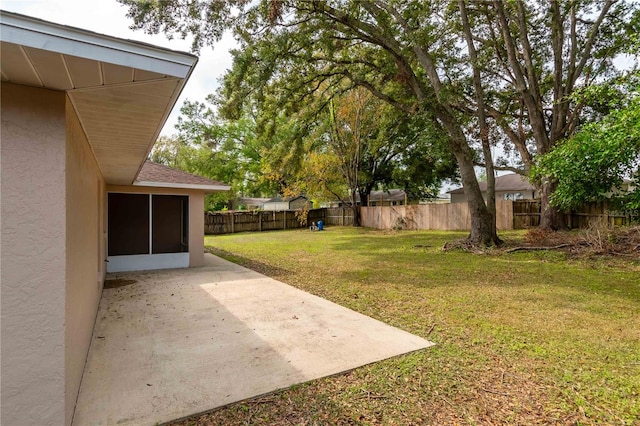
109	17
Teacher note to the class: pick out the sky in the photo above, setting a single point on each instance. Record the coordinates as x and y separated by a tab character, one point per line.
109	17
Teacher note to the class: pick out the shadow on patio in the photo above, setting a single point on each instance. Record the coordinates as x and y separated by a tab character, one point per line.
169	344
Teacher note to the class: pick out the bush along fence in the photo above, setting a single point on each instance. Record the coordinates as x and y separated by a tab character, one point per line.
217	223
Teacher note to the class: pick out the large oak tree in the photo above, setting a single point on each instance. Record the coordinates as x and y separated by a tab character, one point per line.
471	66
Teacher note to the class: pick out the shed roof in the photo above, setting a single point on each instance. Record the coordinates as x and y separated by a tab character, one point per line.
509	182
158	175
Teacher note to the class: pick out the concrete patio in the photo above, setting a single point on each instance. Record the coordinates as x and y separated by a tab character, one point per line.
169	344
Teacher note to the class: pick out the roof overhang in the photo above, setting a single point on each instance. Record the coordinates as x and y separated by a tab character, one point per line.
122	91
205	188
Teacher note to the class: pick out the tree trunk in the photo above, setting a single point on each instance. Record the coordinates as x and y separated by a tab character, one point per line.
482	119
551	219
356	209
483	223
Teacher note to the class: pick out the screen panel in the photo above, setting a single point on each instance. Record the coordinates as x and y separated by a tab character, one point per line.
170	224
128	217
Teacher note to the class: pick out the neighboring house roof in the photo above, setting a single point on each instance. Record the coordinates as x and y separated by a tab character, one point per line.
394	194
510	182
251	200
285	199
275	200
158	175
122	91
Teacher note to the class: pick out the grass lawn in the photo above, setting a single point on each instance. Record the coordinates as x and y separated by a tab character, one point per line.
522	338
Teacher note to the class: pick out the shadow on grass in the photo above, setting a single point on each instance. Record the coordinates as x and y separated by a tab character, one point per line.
415	258
254	265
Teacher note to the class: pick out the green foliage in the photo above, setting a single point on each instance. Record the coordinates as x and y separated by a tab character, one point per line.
352	144
412	55
594	162
425	159
224	150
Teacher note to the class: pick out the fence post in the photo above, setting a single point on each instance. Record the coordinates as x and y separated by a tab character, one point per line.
342	219
285	213
233	223
260	221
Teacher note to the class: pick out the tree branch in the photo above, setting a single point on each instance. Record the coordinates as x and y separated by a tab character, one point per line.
378	94
423	56
503	168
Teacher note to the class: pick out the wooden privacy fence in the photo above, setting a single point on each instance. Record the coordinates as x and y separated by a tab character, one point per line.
339	216
526	214
216	223
443	217
520	214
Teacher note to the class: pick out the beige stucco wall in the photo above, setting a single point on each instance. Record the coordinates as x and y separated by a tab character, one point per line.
85	267
196	229
196	215
33	256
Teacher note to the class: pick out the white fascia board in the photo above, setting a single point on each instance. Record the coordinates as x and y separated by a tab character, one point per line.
215	188
35	33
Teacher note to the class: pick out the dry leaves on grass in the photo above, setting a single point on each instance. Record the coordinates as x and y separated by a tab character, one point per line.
595	240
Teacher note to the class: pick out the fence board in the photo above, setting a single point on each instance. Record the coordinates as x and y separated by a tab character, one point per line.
527	215
216	223
520	214
443	217
339	216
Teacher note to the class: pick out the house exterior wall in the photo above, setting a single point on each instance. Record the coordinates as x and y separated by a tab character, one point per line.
33	256
196	215
458	198
527	194
196	229
276	206
85	266
300	204
387	203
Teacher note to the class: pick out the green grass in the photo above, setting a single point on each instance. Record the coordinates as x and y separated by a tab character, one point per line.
522	338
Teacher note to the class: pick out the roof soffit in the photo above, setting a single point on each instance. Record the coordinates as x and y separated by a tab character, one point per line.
138	109
122	91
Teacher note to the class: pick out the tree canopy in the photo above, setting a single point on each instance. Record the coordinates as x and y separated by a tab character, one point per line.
359	143
484	73
592	165
224	150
